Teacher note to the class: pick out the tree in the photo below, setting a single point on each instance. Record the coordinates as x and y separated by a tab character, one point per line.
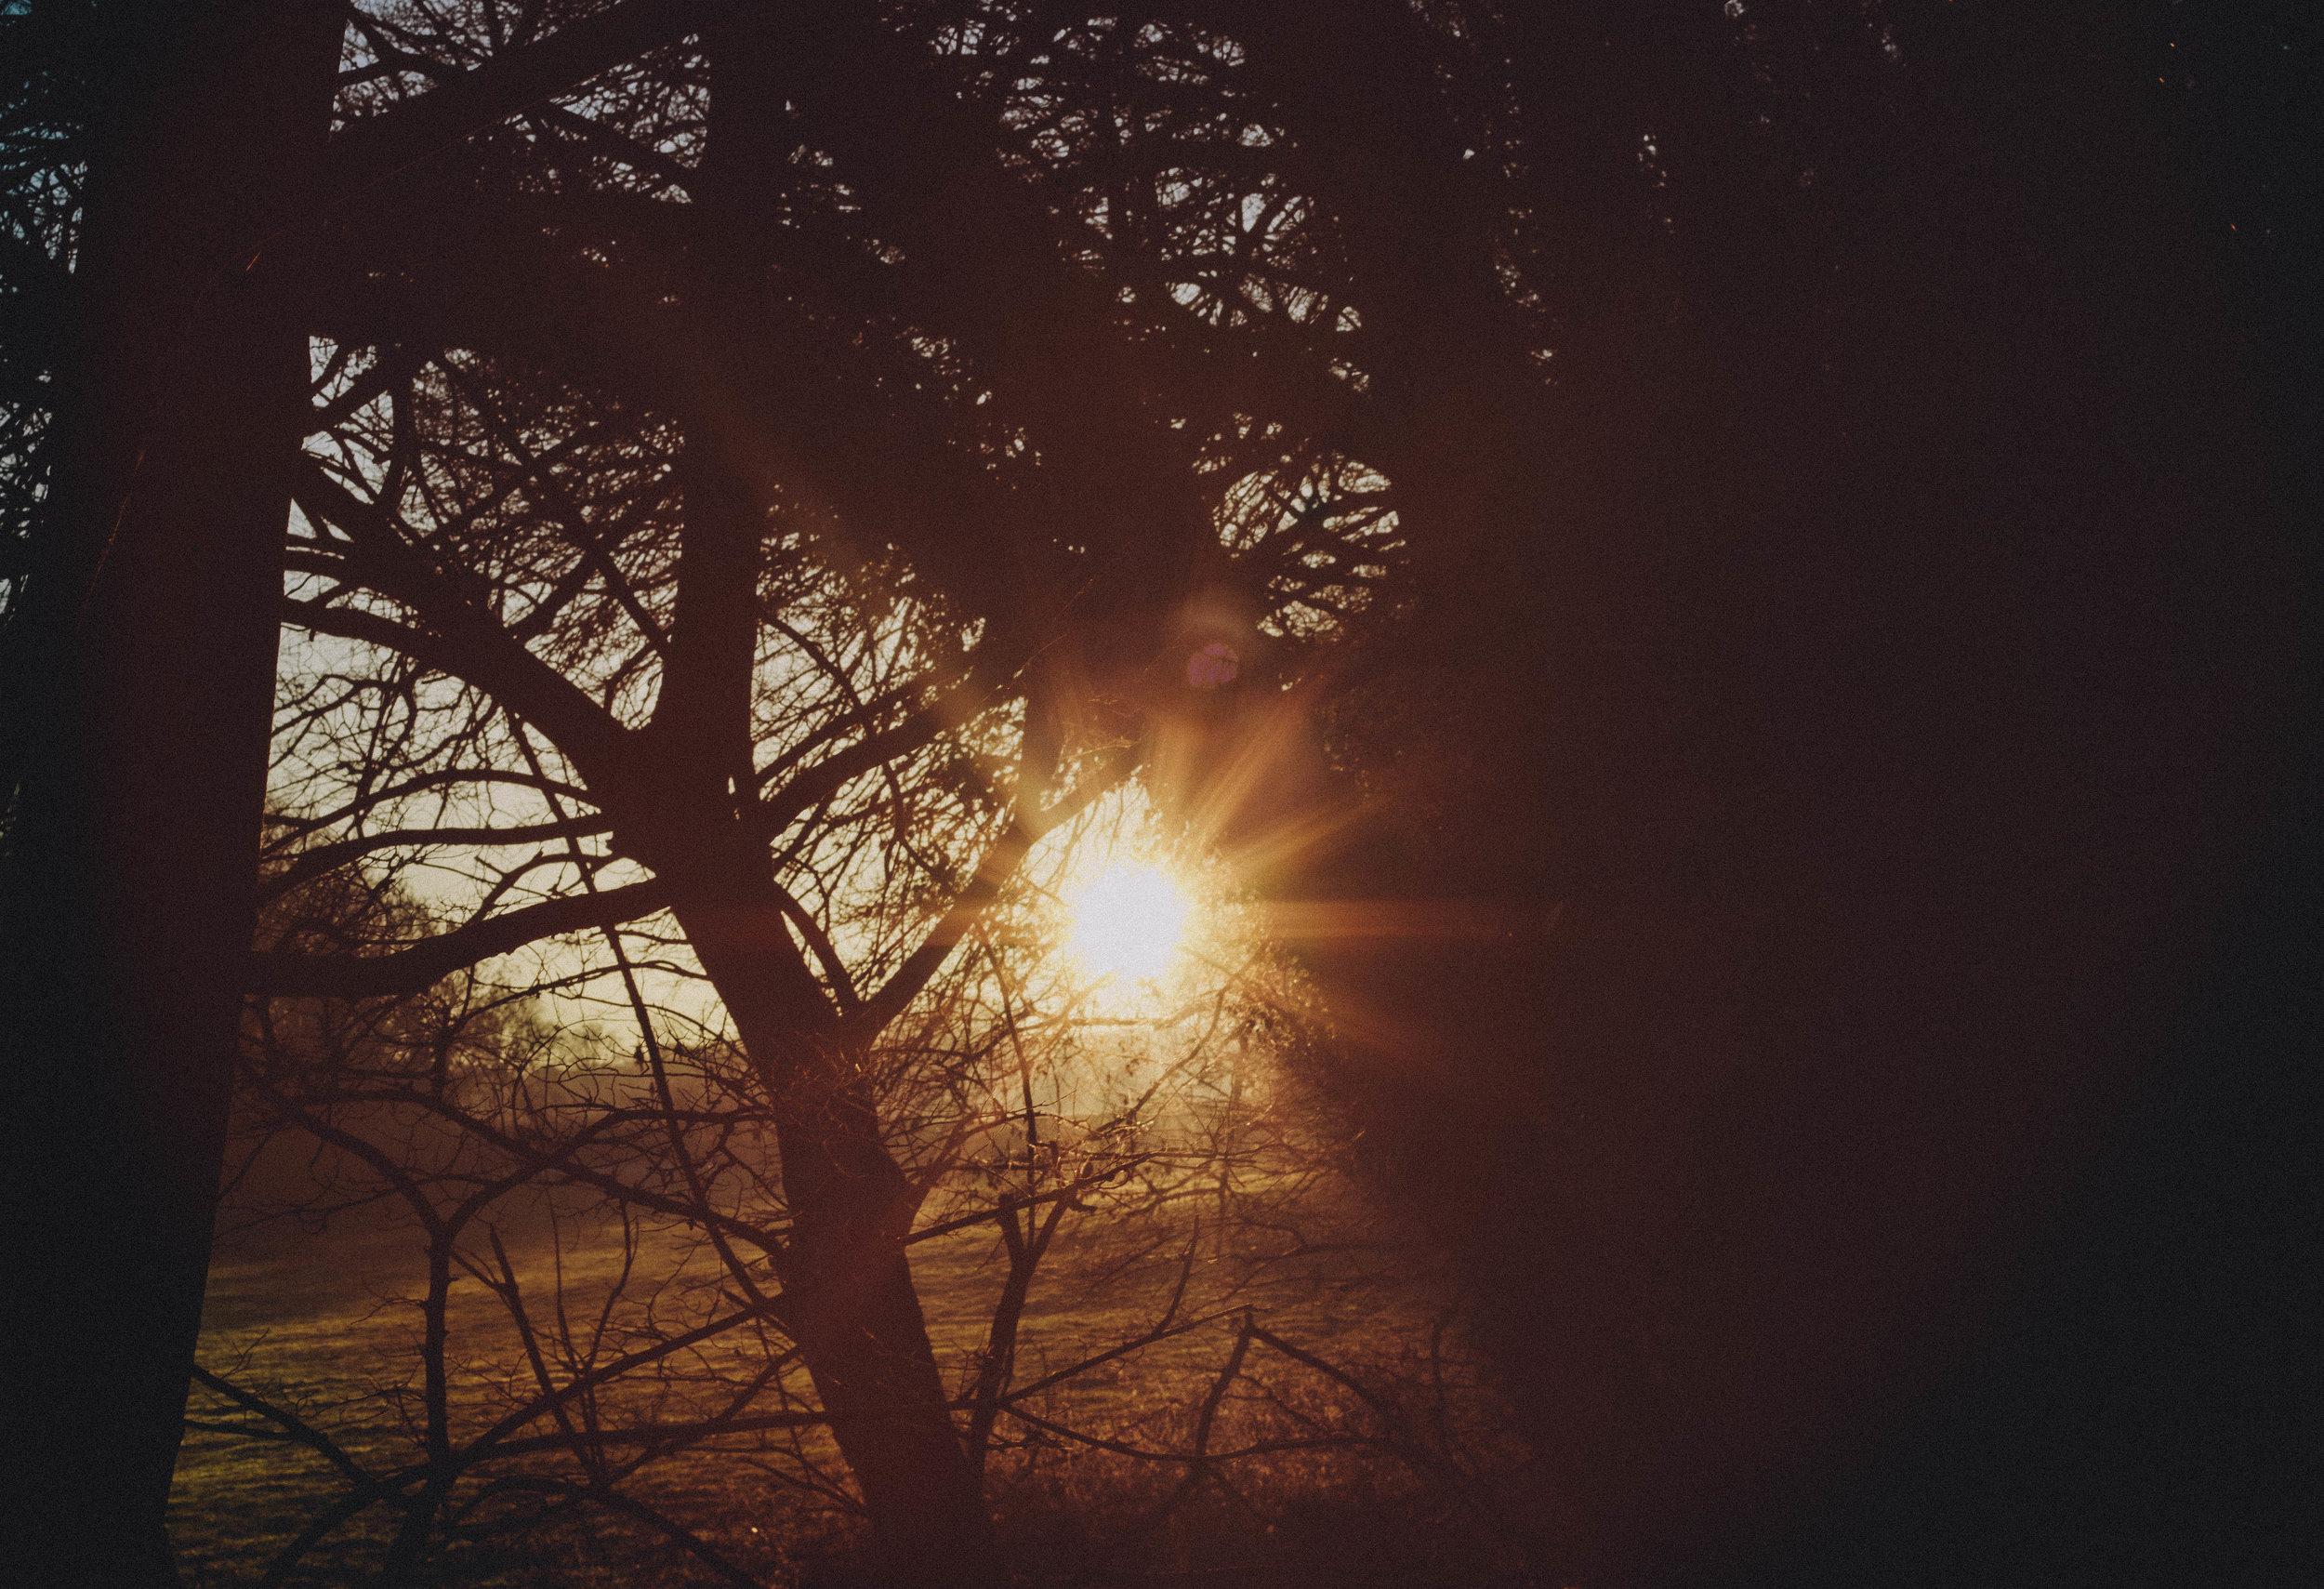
685	522
644	1280
1906	631
140	623
1124	412
140	649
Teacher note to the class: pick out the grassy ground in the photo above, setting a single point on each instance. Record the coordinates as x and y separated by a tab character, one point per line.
322	1325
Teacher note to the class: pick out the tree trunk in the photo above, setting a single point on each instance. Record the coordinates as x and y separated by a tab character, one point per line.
151	616
858	1323
847	1295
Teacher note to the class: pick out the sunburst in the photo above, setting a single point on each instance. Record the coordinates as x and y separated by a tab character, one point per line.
1127	923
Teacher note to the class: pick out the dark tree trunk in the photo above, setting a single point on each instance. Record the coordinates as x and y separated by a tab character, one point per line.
134	845
857	1318
847	1288
848	1294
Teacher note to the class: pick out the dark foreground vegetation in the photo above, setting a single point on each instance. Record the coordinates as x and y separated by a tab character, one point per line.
1373	1455
492	1290
1699	593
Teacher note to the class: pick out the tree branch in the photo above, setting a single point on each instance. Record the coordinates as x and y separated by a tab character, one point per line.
1000	863
293	1427
376	147
466	643
432	959
310	863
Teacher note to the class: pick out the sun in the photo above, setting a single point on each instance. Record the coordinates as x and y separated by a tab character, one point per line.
1126	922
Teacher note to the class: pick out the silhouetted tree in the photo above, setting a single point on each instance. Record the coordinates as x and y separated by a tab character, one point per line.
1184	1177
156	421
609	393
1853	715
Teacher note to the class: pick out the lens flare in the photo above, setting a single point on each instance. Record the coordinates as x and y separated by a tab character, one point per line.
1126	922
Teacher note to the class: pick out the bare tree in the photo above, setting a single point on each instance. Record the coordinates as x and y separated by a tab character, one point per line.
161	153
1021	1100
770	575
874	312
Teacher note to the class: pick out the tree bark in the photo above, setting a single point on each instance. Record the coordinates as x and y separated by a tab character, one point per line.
133	850
847	1287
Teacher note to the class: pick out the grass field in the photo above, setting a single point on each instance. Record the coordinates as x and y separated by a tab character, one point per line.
1388	1478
